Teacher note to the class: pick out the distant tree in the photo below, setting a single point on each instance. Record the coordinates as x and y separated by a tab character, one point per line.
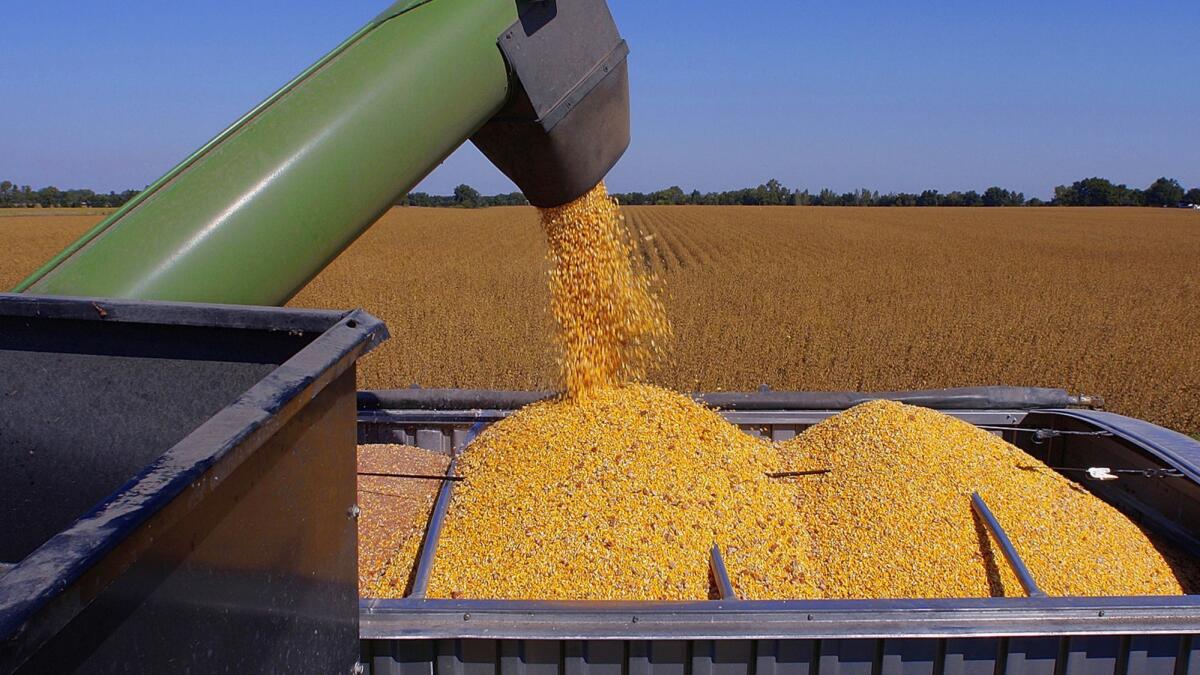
1086	192
772	193
466	196
995	196
1192	196
1034	201
998	196
1164	192
510	199
671	196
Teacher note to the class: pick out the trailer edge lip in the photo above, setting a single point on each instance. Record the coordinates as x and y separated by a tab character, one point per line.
32	592
411	619
988	398
1179	450
749	417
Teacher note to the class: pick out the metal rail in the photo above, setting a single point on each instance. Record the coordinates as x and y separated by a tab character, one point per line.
414	476
1006	546
432	534
776	619
721	575
1040	435
437	517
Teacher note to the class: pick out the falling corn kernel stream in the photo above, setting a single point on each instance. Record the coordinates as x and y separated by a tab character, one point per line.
611	326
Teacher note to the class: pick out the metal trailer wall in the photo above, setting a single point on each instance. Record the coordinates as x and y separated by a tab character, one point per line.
180	481
1056	636
1085	655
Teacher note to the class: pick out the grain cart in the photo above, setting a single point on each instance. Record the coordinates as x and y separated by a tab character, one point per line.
178	482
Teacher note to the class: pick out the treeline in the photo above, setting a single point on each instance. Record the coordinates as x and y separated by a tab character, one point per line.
23	196
1086	192
464	197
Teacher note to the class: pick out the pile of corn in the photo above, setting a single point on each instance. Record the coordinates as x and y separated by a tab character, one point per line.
610	325
394	512
619	495
893	518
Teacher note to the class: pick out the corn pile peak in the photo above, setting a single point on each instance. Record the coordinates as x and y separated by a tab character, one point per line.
893	516
619	496
611	326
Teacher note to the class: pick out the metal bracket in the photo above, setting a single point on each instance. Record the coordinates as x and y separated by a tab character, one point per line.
567	119
559	51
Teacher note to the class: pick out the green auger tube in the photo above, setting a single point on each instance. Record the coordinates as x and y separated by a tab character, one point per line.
257	212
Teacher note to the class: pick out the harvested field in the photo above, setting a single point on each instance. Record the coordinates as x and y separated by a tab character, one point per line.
1100	301
29	239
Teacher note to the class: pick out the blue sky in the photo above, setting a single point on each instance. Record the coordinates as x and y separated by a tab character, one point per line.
889	96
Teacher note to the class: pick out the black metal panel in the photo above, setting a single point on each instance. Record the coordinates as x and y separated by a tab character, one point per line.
77	426
530	657
468	657
1033	655
658	657
785	657
1095	655
911	657
567	122
259	576
594	657
977	656
1153	654
722	657
230	550
848	657
1086	655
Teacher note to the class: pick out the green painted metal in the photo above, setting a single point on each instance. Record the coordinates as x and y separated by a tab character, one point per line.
263	207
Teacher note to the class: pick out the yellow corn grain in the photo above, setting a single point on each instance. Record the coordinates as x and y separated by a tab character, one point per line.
619	495
611	326
893	518
394	512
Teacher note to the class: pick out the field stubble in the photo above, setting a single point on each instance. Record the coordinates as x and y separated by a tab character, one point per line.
1100	301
